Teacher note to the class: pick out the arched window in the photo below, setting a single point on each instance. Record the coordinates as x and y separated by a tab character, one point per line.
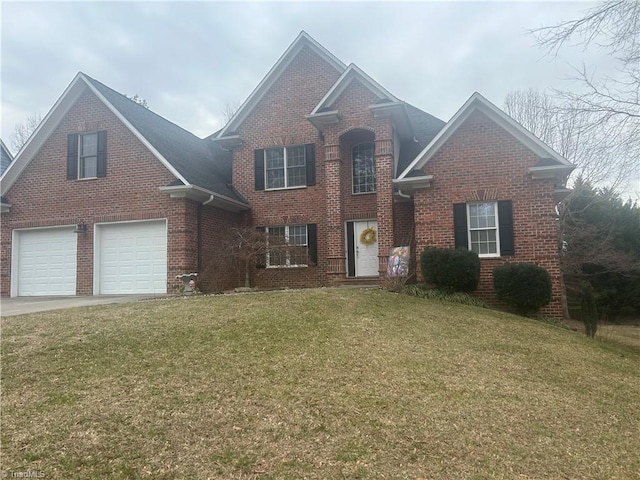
363	167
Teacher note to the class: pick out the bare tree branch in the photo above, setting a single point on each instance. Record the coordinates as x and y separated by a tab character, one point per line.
23	130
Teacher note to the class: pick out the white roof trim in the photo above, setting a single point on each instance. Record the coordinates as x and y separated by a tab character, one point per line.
55	116
478	102
204	196
351	73
302	40
410	184
43	131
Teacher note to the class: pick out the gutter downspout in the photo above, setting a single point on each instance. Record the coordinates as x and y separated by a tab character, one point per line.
402	194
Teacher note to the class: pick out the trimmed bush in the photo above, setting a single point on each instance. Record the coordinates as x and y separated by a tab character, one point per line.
451	270
524	286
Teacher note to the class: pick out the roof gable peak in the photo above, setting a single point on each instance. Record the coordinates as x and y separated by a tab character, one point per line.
477	102
303	39
352	73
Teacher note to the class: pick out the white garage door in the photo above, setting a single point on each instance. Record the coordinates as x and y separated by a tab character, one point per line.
46	261
131	257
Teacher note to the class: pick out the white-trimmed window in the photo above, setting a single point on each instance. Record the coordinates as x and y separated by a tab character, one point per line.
285	167
484	237
363	166
287	246
88	157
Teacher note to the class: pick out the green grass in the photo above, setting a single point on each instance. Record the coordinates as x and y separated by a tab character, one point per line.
315	384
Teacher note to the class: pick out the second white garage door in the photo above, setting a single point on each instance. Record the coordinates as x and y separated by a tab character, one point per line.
131	257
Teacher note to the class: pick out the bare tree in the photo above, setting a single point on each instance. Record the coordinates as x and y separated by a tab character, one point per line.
610	104
578	136
249	247
246	246
229	111
139	100
23	130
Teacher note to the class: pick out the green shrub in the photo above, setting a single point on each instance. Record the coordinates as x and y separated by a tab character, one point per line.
589	310
451	270
524	286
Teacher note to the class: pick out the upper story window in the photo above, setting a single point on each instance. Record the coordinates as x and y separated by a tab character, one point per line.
86	155
363	167
285	167
88	158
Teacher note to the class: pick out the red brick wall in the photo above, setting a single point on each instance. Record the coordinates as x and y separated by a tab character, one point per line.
481	160
42	196
358	124
279	120
404	231
218	270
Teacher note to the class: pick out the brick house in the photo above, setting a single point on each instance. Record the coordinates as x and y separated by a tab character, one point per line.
108	197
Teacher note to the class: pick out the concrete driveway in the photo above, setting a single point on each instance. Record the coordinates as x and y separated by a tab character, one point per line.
20	305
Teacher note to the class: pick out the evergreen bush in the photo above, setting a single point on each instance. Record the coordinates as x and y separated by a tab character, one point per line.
451	270
524	286
589	310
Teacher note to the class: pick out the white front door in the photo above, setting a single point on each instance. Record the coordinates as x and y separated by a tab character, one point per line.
366	260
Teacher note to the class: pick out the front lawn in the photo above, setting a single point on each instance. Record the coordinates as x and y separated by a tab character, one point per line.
317	384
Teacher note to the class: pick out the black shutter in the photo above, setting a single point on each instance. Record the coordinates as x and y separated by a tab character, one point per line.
102	154
259	169
351	251
261	259
460	225
312	242
72	156
505	226
310	158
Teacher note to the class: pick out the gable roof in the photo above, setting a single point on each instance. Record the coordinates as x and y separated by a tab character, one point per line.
5	157
478	102
352	73
196	160
192	160
301	41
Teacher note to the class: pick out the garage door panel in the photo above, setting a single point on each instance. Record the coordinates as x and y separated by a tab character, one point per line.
132	257
46	261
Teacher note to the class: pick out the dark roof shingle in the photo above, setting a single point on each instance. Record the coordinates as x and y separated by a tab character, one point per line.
199	161
425	128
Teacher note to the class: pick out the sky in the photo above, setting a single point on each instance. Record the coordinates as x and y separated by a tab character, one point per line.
191	61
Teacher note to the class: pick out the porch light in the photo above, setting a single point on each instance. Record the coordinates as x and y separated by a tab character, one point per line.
80	228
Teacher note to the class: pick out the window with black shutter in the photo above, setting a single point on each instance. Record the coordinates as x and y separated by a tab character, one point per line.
291	246
484	227
285	167
86	155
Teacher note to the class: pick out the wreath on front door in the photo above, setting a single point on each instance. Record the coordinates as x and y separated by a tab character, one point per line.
368	236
